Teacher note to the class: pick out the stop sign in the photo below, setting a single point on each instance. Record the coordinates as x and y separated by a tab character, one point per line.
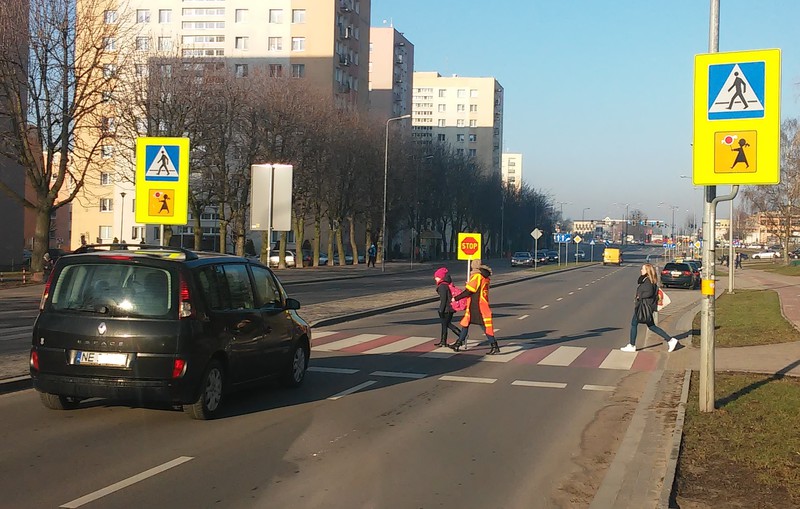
470	245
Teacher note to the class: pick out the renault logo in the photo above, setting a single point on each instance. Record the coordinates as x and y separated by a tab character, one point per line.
101	329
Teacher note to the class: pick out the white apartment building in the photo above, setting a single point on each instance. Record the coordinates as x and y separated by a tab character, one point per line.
325	43
391	72
464	112
512	169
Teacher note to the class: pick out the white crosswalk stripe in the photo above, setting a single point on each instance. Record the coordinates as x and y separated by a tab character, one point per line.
344	343
399	346
562	356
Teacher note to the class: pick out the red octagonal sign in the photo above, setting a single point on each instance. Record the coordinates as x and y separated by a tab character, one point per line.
470	245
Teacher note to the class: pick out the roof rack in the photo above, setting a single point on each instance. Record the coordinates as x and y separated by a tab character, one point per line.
92	248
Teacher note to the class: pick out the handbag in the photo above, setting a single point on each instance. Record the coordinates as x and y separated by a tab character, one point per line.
663	300
644	311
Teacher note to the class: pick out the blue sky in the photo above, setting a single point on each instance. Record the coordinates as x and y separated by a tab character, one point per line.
598	94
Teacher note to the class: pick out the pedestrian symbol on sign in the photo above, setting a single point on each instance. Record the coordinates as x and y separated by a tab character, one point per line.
736	91
162	163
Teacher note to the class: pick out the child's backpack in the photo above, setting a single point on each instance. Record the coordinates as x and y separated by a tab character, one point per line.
459	305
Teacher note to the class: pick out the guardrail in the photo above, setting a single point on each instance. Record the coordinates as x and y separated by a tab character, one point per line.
23	276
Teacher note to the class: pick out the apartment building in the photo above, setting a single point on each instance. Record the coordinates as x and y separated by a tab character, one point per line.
391	72
464	112
512	169
324	43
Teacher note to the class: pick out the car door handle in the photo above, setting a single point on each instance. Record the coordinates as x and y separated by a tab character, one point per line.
242	325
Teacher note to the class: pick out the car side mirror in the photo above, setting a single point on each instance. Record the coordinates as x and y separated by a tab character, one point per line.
292	303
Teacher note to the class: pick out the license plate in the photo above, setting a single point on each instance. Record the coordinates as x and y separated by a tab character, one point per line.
101	359
675	274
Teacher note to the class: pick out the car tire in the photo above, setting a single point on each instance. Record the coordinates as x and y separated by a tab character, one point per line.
58	402
212	389
298	365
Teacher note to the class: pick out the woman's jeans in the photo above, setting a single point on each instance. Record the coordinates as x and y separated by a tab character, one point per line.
655	328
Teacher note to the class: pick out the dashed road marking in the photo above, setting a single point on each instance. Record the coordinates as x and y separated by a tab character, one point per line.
343	371
546	385
352	390
469	379
398	374
523	317
572	293
545	306
560	298
605	388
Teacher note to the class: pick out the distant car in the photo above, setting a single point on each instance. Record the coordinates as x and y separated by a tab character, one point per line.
522	259
580	255
695	265
679	275
766	255
288	258
308	258
552	256
793	254
541	257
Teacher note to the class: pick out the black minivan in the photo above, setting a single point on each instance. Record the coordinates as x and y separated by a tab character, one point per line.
159	324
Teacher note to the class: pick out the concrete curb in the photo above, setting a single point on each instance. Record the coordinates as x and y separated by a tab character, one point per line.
677	437
14	384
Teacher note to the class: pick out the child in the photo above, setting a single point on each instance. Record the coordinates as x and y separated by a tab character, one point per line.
446	311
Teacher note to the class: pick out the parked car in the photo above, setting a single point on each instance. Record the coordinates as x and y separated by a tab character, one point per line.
288	258
794	254
681	274
552	256
522	259
766	255
695	265
165	325
541	257
308	258
580	255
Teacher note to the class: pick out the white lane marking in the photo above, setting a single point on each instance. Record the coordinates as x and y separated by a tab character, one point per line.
497	330
581	288
442	352
545	306
572	293
523	317
472	379
606	388
21	335
397	374
618	359
343	371
546	385
398	346
126	482
344	343
506	354
560	298
322	333
352	390
562	356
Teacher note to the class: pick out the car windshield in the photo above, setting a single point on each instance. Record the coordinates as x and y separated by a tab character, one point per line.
522	254
676	266
115	289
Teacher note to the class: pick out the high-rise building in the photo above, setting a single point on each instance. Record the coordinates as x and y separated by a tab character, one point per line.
512	169
325	43
391	70
466	113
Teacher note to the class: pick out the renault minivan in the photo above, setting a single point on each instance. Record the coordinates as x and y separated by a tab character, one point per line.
164	325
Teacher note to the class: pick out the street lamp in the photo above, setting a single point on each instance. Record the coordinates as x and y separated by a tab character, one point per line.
122	217
583	211
385	180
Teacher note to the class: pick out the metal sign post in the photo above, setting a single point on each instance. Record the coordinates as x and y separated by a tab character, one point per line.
536	234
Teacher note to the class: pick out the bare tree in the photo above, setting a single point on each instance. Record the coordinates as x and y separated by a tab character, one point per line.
55	71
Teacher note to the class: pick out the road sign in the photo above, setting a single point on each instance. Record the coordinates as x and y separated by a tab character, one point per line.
737	118
162	180
536	233
469	246
562	238
577	239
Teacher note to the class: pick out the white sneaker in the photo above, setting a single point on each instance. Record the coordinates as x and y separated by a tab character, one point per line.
671	344
628	348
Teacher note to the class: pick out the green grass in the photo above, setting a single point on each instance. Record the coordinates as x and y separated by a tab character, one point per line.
749	317
747	452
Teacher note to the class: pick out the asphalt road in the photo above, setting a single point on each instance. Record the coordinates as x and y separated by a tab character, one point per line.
382	421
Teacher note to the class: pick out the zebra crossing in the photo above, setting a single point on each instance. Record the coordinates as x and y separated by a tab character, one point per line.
330	341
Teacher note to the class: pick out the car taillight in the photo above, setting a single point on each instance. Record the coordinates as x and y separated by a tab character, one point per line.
665	272
178	368
185	303
34	360
686	273
46	291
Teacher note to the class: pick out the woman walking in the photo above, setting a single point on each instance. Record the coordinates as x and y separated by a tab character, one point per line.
645	304
446	311
478	310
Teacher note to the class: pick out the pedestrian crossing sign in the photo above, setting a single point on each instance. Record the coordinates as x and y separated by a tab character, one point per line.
162	181
737	118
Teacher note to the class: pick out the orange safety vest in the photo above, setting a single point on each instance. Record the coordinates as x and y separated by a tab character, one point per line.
479	285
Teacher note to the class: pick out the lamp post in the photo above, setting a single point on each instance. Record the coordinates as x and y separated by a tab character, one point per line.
122	217
583	212
566	247
385	180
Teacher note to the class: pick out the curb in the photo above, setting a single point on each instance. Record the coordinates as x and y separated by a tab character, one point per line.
665	502
14	384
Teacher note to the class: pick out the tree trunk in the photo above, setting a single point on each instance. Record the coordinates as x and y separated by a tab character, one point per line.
299	233
41	241
340	244
265	242
381	248
223	234
167	234
331	255
282	251
198	232
353	244
315	242
368	235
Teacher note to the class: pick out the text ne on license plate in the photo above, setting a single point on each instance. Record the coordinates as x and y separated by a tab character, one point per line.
101	358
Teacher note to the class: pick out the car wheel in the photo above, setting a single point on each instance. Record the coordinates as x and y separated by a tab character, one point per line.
58	402
298	364
211	391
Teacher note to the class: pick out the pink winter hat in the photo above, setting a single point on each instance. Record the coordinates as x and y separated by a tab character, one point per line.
440	273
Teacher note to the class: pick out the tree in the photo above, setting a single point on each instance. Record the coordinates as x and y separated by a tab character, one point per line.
55	71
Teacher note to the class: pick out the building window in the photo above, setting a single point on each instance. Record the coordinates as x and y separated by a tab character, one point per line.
108	96
164	43
442	108
141	70
110	17
143	15
461	93
241	15
165	70
459	137
441	137
107	151
473	92
107	124
106	205
298	70
241	70
109	70
441	123
298	43
275	71
460	151
275	43
460	122
141	126
105	179
298	15
276	15
164	15
473	108
472	152
241	43
473	123
110	43
442	92
143	43
105	232
460	108
473	138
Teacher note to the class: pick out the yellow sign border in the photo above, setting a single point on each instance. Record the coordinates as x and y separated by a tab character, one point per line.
464	256
180	189
768	127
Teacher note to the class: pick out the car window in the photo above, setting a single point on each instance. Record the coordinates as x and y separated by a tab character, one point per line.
239	287
267	292
212	284
676	266
117	289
